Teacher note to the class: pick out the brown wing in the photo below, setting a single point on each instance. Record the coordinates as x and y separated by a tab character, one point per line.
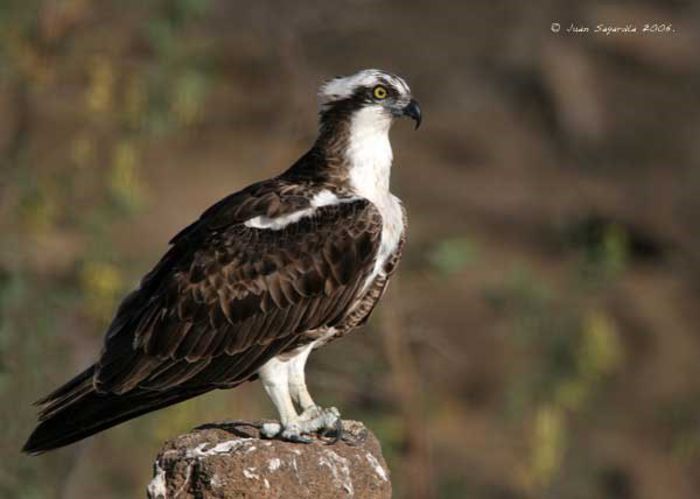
225	299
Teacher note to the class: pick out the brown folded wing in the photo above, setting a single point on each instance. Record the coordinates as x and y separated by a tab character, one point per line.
225	299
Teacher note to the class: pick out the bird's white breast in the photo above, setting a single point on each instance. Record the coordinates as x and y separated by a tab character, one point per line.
370	157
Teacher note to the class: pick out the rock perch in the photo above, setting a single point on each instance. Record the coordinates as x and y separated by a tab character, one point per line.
232	460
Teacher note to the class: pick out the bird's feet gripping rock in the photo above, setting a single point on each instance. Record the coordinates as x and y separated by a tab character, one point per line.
314	420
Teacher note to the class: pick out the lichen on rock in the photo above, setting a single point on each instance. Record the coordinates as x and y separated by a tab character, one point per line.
231	459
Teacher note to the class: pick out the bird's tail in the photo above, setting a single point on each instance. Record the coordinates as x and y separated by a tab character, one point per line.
76	410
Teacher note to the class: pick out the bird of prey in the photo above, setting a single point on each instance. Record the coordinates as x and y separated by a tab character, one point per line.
262	278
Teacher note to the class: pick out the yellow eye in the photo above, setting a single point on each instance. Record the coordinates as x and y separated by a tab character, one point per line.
379	92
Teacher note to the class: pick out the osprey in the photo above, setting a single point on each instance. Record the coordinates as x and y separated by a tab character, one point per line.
262	278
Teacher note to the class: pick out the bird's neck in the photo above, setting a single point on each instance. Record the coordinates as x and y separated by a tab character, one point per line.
358	152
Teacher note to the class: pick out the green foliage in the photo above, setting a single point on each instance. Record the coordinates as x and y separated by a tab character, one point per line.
124	184
189	91
603	251
570	352
679	417
5	292
452	255
64	204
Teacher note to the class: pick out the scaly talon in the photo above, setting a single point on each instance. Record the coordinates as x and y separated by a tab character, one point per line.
293	434
336	432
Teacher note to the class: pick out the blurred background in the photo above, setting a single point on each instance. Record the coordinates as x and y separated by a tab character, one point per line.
542	338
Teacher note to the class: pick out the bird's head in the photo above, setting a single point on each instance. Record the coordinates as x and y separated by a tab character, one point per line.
374	96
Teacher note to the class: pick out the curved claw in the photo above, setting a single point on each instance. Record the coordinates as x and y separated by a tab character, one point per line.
337	432
291	433
296	438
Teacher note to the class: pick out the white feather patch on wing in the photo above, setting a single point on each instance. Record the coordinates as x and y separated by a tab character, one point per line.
322	198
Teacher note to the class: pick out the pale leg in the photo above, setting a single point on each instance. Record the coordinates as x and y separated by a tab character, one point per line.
297	379
275	379
313	417
284	381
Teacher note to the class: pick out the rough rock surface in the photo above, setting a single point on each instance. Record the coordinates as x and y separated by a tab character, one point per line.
231	459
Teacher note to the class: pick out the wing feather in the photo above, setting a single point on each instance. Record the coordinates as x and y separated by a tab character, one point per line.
226	298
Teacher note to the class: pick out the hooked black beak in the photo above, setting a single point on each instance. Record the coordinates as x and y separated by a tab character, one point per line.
412	110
